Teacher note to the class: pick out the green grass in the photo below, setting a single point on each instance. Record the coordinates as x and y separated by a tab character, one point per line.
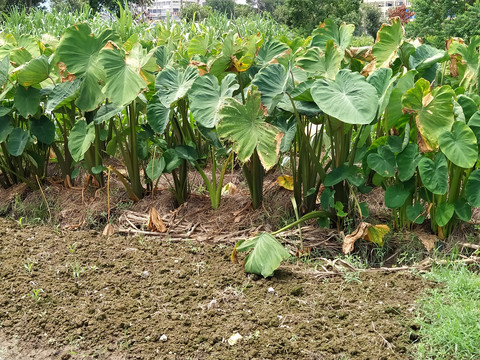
450	315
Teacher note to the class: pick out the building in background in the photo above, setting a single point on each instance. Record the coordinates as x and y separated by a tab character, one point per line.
385	5
158	9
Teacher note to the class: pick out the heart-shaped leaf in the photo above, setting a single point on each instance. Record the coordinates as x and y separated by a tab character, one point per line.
396	195
414	213
459	145
407	162
80	139
463	210
17	140
349	98
272	81
155	168
173	84
43	129
389	39
434	174
266	256
472	188
443	213
246	127
383	161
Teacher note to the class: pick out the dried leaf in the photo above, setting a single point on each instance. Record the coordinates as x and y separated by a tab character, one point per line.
229	189
367	231
108	230
285	181
350	240
427	240
155	222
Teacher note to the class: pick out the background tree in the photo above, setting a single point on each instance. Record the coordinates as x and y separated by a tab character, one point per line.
243	10
371	19
195	11
305	15
436	20
68	5
403	12
5	5
226	7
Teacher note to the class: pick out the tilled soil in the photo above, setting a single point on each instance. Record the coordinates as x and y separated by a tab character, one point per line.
82	295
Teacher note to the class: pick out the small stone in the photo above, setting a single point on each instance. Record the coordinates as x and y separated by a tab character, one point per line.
163	337
271	290
234	338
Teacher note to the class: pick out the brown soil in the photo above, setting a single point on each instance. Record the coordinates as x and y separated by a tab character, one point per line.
130	291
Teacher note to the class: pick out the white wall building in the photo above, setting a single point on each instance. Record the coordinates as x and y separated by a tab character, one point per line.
159	8
385	5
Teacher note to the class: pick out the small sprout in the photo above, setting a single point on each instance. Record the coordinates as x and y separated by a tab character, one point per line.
36	294
77	270
72	247
29	266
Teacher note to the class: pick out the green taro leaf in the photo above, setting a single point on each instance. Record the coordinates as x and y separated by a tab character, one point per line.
407	162
27	100
342	36
173	84
434	110
469	106
323	63
62	94
266	256
157	114
43	129
172	160
443	213
414	213
459	145
5	127
245	126
339	174
389	39
270	50
350	98
17	140
396	195
106	112
4	67
463	210
434	174
383	161
80	139
124	82
272	82
472	188
33	72
155	168
207	97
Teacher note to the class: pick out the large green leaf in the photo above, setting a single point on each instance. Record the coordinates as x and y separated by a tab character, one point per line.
434	110
80	139
173	84
62	94
43	129
342	36
270	50
124	82
472	188
157	114
323	63
266	256
434	174
396	195
207	96
393	111
155	168
459	145
245	126
17	140
443	213
407	162
106	112
350	98
468	105
33	72
6	127
272	82
27	100
4	67
90	91
383	161
339	174
389	39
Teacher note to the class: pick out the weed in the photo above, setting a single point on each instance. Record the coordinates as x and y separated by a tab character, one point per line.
35	294
125	344
77	270
72	247
29	266
449	315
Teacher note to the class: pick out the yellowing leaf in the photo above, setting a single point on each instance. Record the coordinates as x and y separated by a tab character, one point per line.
376	233
369	232
285	181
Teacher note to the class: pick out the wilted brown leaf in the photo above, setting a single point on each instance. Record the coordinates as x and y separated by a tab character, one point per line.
108	230
427	240
349	241
155	222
